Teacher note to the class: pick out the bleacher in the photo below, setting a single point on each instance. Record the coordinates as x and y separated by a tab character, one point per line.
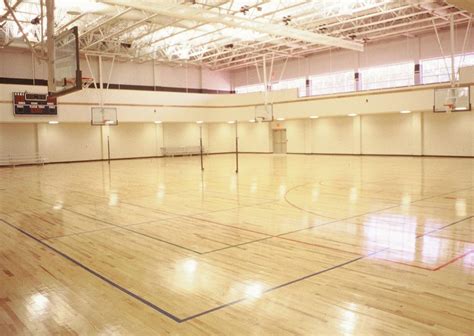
22	159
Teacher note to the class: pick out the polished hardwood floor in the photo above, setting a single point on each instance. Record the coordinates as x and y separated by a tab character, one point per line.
292	245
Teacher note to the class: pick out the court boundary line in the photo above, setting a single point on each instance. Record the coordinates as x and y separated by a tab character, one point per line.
181	320
149	303
185	319
96	274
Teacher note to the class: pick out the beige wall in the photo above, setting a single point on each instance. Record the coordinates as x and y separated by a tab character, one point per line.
129	140
17	139
183	134
69	142
332	135
221	137
391	134
255	137
449	134
388	134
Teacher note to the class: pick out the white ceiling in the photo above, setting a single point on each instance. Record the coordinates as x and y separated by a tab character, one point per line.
222	35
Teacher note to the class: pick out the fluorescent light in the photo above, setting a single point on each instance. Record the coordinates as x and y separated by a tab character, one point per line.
231	122
313	117
280	119
109	122
53	122
199	122
252	120
460	109
158	121
352	114
405	111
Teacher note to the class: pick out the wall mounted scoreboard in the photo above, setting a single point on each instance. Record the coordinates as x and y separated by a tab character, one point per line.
26	103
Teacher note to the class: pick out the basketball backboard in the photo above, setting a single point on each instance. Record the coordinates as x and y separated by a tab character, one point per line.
264	113
67	72
104	116
452	99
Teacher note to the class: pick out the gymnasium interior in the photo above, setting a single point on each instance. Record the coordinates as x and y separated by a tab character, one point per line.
236	167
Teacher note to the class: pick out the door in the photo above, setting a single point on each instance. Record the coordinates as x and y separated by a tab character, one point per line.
279	141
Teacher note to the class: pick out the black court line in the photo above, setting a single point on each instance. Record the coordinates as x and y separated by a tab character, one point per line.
359	215
98	275
282	285
181	320
125	227
237	245
152	305
444	227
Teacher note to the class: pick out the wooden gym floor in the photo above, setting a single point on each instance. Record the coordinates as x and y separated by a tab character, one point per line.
293	245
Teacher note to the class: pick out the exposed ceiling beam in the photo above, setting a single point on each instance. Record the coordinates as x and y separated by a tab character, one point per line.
198	14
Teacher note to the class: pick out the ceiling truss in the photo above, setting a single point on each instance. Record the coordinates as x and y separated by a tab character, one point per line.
223	34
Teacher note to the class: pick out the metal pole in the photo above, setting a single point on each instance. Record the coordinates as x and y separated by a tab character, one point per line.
236	148
200	144
451	26
108	149
50	44
101	82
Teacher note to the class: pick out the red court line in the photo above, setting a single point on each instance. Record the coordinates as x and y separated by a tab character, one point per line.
437	268
406	264
452	260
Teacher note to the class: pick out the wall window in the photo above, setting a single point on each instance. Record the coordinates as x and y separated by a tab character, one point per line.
387	76
250	88
434	70
332	83
297	83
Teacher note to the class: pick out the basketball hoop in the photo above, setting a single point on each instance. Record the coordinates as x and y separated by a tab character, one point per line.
449	107
86	82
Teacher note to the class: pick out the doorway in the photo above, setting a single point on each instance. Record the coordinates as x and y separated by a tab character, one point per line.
279	141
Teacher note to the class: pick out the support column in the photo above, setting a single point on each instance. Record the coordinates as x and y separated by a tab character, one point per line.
50	44
416	59
357	135
308	135
417	133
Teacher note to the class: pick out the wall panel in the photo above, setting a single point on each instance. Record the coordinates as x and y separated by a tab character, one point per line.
69	142
387	134
255	137
333	135
449	134
221	137
128	140
17	139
